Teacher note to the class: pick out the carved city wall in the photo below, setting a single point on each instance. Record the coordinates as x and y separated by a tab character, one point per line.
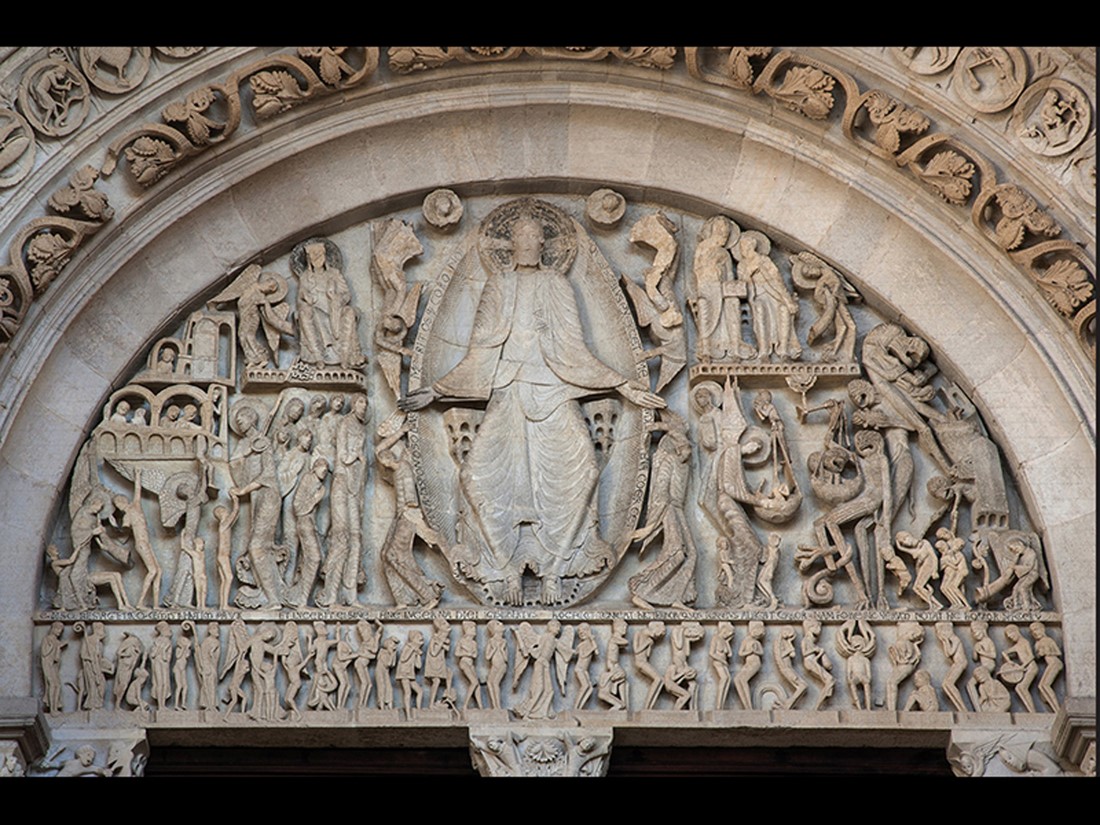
585	452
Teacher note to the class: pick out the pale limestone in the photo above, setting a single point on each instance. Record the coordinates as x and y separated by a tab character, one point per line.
878	248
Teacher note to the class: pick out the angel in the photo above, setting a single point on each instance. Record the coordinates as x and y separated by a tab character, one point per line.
1021	564
394	244
656	231
671	341
856	643
261	301
832	294
655	305
670	580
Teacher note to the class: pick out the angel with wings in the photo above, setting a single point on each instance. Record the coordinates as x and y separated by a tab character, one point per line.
395	243
261	300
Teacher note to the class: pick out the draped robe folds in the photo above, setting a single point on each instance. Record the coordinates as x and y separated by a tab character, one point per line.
532	461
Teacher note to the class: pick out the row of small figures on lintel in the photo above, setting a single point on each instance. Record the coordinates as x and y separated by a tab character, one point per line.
265	670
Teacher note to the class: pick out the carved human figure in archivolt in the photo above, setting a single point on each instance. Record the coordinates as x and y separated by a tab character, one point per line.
531	475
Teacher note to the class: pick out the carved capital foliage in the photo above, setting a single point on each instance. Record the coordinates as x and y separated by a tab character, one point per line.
537	751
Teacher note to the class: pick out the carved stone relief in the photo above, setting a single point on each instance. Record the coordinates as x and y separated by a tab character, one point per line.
990	78
55	98
292	515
